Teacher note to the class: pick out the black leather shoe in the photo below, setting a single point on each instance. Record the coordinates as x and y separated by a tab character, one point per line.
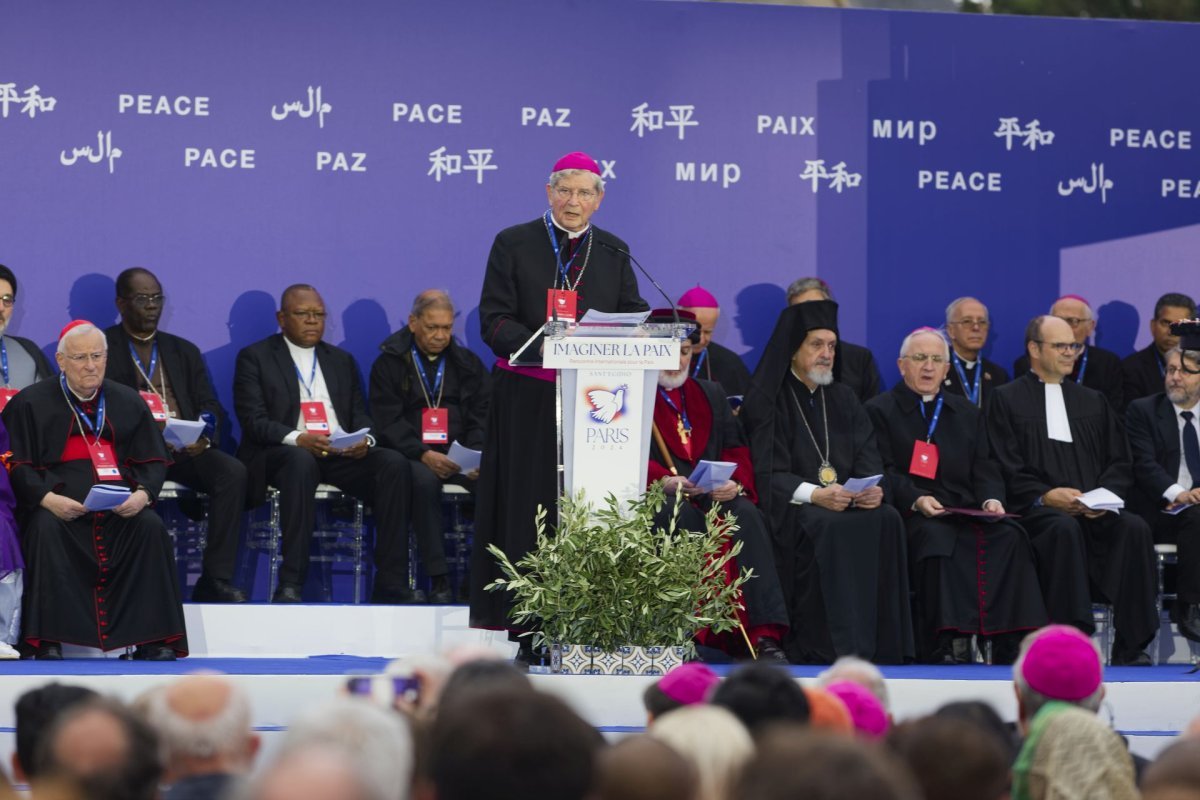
287	593
398	597
216	590
440	593
49	651
1132	658
155	651
1187	617
770	651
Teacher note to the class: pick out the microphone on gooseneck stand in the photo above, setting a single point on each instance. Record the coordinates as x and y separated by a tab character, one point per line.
653	282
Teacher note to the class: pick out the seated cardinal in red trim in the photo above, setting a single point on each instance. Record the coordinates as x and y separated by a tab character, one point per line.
696	423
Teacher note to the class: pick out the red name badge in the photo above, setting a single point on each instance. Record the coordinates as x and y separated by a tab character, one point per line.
104	462
156	406
435	426
6	394
924	460
315	419
560	304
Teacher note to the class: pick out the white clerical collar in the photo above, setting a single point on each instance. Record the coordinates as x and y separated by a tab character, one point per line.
1058	426
301	355
928	398
81	398
570	234
966	363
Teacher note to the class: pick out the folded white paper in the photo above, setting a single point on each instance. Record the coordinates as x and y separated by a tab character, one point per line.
1101	499
466	458
102	497
180	433
709	475
340	439
619	317
856	485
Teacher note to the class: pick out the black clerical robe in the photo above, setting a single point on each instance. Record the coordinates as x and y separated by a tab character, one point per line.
716	436
1114	551
969	576
100	580
519	466
992	376
1101	371
1144	372
722	365
854	365
843	574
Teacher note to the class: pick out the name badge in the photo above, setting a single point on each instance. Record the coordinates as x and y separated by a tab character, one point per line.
315	418
435	426
156	406
6	394
924	460
104	462
560	304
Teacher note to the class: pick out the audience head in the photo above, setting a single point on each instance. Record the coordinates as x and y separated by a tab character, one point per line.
700	302
204	724
643	768
1057	662
431	321
1077	313
674	378
36	710
860	671
924	361
685	685
104	750
139	300
1051	347
713	740
827	712
82	355
868	714
793	762
319	771
813	336
511	745
377	740
759	694
967	325
482	677
575	190
301	315
985	717
1175	774
803	290
952	758
1170	308
1069	752
8	295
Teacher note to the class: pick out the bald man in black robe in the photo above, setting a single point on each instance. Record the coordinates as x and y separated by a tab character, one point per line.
1055	440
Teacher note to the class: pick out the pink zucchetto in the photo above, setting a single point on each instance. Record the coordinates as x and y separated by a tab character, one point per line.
698	297
70	326
1062	663
869	717
689	683
577	161
1073	297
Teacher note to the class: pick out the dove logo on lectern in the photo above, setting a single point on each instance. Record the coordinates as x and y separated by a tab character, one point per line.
607	405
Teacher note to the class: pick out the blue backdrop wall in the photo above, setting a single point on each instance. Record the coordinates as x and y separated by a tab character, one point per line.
374	148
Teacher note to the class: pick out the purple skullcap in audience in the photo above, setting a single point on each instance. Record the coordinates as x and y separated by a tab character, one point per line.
1080	298
698	297
689	683
577	161
869	717
1062	664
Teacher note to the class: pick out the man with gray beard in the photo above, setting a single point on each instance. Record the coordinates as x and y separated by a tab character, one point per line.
693	422
841	554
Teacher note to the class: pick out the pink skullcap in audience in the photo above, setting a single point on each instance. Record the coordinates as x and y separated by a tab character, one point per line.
577	161
869	717
1062	663
698	297
1074	297
827	712
75	323
689	683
